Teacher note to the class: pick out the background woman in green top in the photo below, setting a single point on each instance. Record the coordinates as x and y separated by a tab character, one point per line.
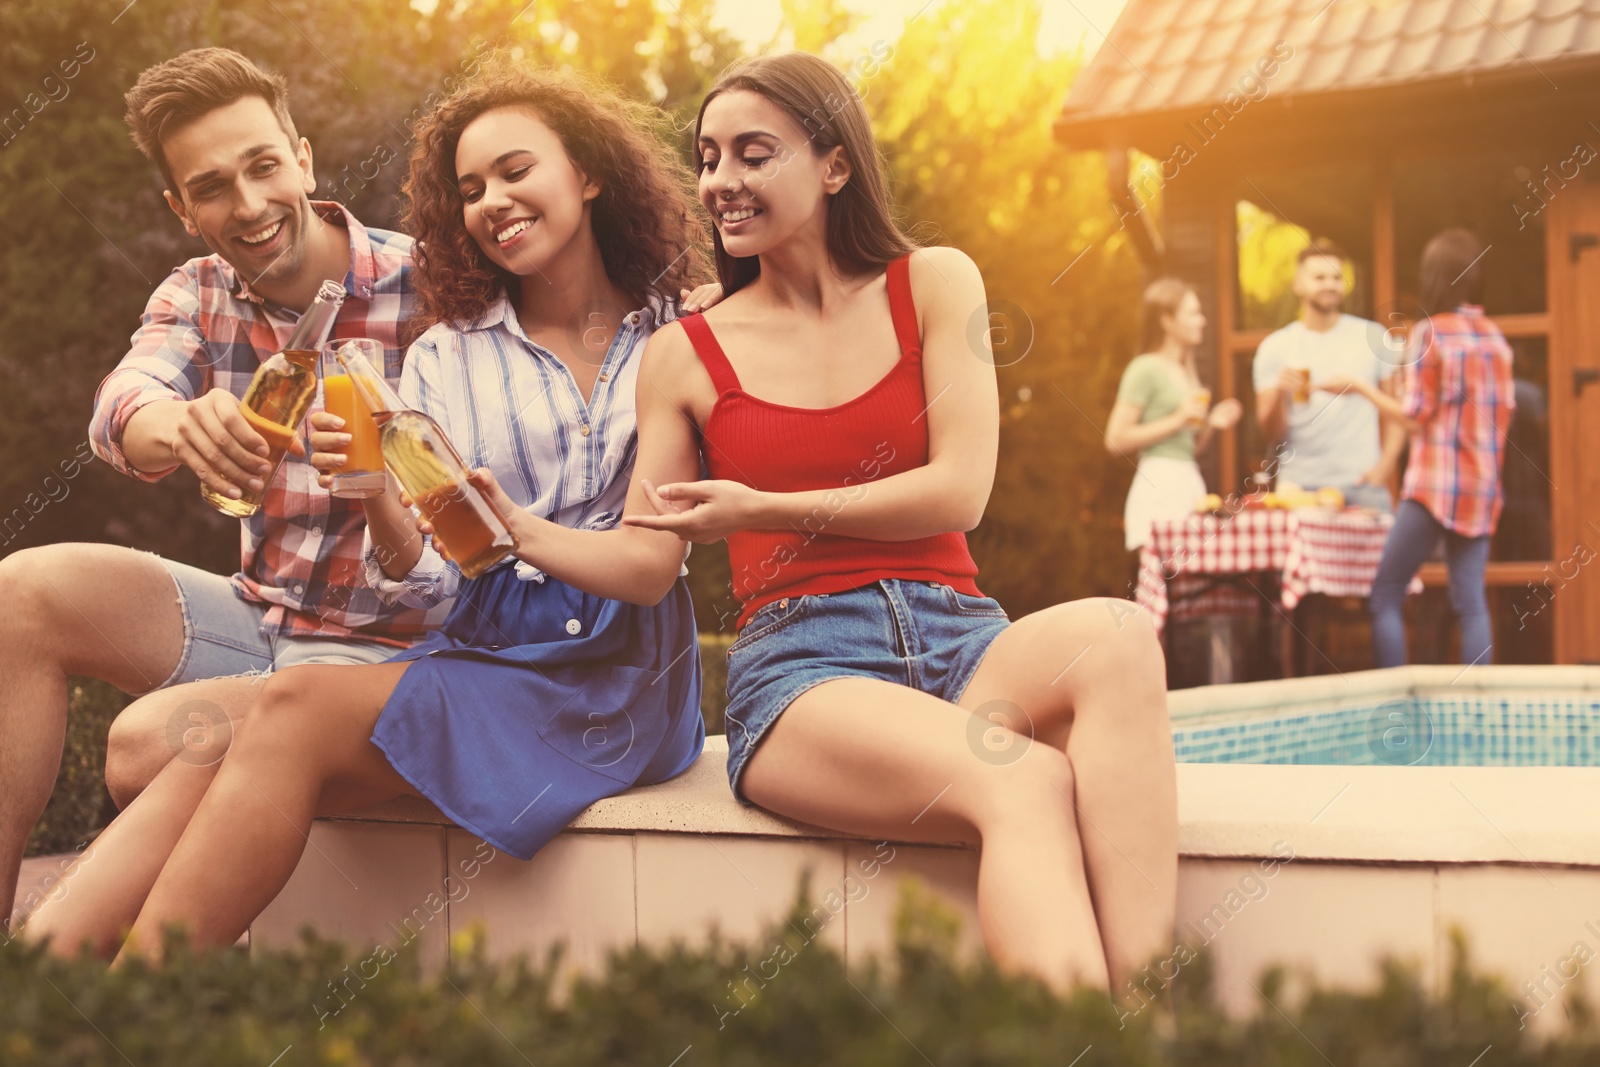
1164	413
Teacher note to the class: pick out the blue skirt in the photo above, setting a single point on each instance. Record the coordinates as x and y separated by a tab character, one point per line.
534	700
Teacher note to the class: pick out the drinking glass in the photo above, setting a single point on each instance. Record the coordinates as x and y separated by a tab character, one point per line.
1302	389
362	475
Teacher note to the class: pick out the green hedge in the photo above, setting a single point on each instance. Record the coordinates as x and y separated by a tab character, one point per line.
696	1006
80	805
714	671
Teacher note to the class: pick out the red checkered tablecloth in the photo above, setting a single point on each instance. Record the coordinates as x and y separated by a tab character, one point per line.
1311	550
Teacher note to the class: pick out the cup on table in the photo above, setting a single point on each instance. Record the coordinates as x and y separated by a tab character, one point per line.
1302	390
362	475
1203	398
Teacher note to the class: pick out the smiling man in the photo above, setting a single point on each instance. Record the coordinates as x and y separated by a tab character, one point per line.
237	176
1329	440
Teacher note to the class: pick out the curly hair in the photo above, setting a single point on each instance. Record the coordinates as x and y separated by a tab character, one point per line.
646	219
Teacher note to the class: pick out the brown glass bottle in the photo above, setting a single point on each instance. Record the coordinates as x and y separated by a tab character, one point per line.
421	458
279	394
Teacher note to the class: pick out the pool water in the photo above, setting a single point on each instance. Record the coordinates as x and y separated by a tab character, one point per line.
1473	730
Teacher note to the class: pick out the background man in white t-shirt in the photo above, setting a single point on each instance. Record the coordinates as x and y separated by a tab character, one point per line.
1331	440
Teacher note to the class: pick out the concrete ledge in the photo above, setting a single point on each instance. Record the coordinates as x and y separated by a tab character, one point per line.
1516	815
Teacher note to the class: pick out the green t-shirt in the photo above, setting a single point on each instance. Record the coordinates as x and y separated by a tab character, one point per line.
1154	385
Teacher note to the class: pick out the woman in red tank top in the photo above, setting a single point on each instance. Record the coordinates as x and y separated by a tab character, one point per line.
847	412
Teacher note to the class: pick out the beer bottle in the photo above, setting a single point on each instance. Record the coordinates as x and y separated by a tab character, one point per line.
279	394
420	456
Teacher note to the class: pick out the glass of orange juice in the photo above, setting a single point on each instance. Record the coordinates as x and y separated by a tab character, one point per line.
362	475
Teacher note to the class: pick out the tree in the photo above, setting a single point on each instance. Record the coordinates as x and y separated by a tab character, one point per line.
961	104
963	113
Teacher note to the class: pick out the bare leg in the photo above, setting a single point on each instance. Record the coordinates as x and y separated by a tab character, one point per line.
883	760
311	728
98	610
192	723
101	893
103	890
1089	679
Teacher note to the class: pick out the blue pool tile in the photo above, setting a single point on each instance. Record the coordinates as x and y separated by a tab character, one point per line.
1468	731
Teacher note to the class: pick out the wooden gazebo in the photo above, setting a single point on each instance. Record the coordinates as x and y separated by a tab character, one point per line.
1377	123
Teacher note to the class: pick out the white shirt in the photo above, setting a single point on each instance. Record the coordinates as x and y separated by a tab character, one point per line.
1332	440
510	405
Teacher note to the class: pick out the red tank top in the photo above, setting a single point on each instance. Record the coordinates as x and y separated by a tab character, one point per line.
781	449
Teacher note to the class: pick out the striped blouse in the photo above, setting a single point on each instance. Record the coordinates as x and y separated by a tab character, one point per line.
510	405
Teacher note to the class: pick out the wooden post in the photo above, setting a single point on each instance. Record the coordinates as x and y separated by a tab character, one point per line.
1383	265
1227	274
1383	269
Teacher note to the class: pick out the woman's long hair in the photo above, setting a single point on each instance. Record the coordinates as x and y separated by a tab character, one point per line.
651	237
1162	298
862	234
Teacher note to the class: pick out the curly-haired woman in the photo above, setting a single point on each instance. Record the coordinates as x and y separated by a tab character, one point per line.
553	227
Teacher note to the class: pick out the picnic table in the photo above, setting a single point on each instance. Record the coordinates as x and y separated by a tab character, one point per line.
1206	561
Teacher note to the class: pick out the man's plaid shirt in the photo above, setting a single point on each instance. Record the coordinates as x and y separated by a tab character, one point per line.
204	328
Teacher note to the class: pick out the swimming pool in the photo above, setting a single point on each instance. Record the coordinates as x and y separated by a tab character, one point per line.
1415	801
1425	729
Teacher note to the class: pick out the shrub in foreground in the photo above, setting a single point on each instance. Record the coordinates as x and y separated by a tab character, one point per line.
782	1000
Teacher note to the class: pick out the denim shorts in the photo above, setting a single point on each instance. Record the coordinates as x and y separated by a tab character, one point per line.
222	634
918	634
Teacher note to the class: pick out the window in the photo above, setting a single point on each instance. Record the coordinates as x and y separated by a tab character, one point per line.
1524	530
1490	193
1277	214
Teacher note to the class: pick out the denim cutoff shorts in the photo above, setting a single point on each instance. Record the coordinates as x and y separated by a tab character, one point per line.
919	634
222	635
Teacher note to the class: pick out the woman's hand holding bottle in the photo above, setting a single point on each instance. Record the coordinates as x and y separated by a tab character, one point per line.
482	479
1192	411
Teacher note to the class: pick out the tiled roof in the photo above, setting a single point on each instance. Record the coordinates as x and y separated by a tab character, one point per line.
1166	55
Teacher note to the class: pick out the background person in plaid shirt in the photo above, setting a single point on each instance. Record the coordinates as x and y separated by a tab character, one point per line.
1457	407
238	176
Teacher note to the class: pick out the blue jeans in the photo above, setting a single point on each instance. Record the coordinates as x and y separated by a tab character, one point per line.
919	634
1411	541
